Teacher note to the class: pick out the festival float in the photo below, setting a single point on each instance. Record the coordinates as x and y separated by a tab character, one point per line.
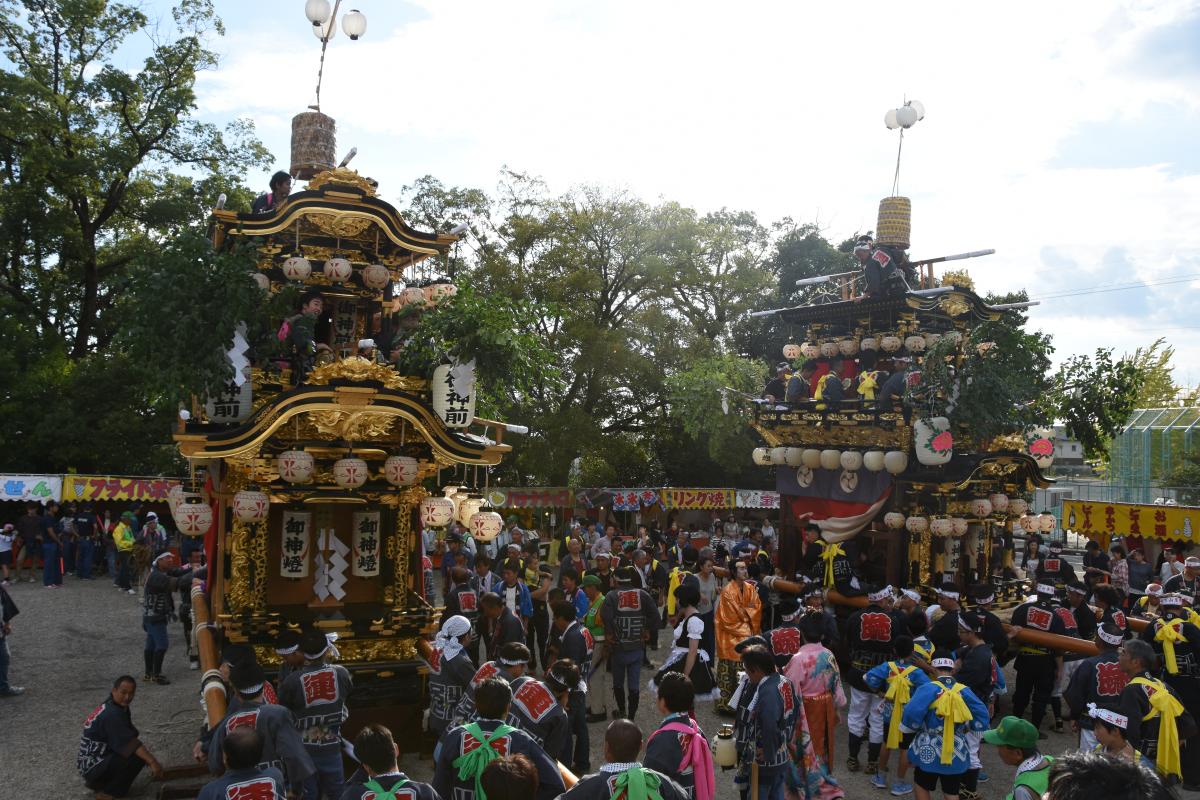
925	463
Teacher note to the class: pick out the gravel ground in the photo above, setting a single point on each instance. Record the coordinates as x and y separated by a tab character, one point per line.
68	645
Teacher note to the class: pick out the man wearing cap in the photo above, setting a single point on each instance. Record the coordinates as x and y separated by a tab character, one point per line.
738	615
630	619
871	636
599	673
1176	641
1188	581
282	748
976	668
943	631
1097	682
1016	743
941	713
1158	721
158	608
1037	667
316	694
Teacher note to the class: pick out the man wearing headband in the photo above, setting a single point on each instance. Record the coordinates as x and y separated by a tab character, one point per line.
1098	681
316	694
983	596
1037	667
1016	743
630	620
871	635
287	647
1158	721
450	672
738	615
784	641
462	600
1176	642
158	607
1147	604
908	601
895	681
622	775
1078	622
944	630
603	571
1188	581
976	669
511	664
1111	729
281	745
539	708
941	713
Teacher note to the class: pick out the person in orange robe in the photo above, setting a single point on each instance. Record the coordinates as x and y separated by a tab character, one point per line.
739	614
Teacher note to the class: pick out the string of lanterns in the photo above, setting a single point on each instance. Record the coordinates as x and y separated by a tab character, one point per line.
888	342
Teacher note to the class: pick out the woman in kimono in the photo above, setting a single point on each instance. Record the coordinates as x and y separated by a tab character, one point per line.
814	673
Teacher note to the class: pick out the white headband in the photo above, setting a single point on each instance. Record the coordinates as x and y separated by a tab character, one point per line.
881	594
1171	600
1078	589
962	623
1154	590
942	663
1109	637
1192	561
1045	588
512	662
983	601
911	595
287	651
1109	716
1187	598
948	593
250	691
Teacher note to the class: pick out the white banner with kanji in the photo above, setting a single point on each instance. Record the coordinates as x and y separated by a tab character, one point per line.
365	557
297	537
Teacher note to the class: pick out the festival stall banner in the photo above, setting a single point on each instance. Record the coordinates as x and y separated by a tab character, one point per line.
96	487
1100	520
552	497
365	561
297	536
753	498
632	499
31	488
697	498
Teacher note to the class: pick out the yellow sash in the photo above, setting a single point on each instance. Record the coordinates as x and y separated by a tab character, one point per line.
1169	633
867	384
950	706
899	691
830	552
1168	709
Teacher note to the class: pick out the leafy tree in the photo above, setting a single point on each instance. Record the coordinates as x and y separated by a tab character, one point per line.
1094	397
1158	387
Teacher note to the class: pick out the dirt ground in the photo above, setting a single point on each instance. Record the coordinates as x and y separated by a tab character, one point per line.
68	645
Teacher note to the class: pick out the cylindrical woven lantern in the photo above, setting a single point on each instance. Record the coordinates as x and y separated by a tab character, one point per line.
295	466
436	512
485	525
251	506
314	144
350	473
894	227
401	470
194	519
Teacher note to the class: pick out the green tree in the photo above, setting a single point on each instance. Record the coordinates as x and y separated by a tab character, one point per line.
1094	396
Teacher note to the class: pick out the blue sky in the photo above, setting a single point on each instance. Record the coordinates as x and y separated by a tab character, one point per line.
1062	134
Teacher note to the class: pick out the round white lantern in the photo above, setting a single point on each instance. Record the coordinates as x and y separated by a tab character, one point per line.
811	458
999	501
981	507
376	276
793	457
830	459
791	351
1029	523
261	280
894	520
779	455
350	473
338	270
955	337
895	461
810	350
317	11
873	460
869	343
890	344
1017	507
914	343
848	347
412	296
916	524
250	505
174	497
960	525
295	466
1047	522
761	456
941	526
932	338
436	512
485	525
441	292
194	519
401	470
829	349
467	508
297	268
354	24
851	460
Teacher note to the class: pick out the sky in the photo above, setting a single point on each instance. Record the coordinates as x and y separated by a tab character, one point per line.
1065	135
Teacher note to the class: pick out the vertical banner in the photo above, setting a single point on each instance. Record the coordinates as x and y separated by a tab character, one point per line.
365	562
297	536
345	343
453	391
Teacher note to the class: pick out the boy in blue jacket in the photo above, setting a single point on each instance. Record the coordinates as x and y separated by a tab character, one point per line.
897	681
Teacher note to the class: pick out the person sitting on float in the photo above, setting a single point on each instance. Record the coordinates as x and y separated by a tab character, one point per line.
281	187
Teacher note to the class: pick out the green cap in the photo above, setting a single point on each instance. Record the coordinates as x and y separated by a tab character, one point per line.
1013	732
589	580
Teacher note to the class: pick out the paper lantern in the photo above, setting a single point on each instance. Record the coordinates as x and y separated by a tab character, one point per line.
376	276
894	520
848	347
338	270
811	458
438	293
932	441
467	508
791	351
261	280
485	525
873	460
436	512
1039	443
981	507
895	461
810	350
297	268
829	349
1047	522
194	519
295	466
890	344
914	343
999	501
1017	507
916	524
1029	523
354	24
869	343
779	456
941	526
412	296
317	11
830	459
960	525
851	460
932	338
350	473
955	337
174	497
401	470
793	457
761	456
251	506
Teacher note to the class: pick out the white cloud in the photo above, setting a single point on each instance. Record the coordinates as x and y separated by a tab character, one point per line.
775	107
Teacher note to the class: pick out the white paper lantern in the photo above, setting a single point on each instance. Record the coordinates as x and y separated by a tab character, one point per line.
793	457
981	507
873	460
890	344
194	519
401	470
338	270
1017	507
848	347
851	460
914	343
895	461
439	293
810	350
250	505
869	343
436	512
906	116
297	268
295	466
779	456
999	501
791	351
916	524
485	525
1029	523
354	23
932	338
891	120
413	296
376	276
811	458
955	337
830	459
467	508
761	456
350	473
829	349
960	525
941	526
174	497
1047	522
933	441
894	520
261	280
317	11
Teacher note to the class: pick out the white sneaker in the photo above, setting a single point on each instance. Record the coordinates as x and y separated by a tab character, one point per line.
130	591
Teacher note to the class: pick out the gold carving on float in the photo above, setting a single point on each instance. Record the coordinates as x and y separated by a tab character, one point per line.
352	425
374	650
343	225
1007	441
845	435
360	370
954	304
246	588
398	545
342	176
